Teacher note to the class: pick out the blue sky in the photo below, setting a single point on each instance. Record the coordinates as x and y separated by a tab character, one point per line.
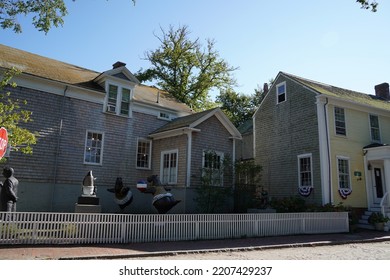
329	41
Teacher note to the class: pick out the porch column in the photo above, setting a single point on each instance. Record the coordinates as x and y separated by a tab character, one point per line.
189	154
386	171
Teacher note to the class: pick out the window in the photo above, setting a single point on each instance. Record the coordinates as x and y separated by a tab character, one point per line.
125	104
343	173
281	92
93	148
305	172
169	167
143	153
374	127
112	96
118	101
339	117
164	116
212	173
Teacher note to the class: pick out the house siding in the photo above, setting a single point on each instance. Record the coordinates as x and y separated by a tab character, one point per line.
351	147
281	133
54	183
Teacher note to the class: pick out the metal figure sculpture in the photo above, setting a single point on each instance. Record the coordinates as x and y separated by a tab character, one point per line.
123	195
163	201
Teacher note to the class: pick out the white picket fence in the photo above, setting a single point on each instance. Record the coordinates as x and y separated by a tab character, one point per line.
82	228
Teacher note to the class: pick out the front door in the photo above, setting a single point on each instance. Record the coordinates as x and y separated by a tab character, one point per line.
378	184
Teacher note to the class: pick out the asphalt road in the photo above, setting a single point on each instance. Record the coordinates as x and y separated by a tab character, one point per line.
355	251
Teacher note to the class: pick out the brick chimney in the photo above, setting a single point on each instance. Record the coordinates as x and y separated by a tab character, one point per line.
382	91
265	88
118	64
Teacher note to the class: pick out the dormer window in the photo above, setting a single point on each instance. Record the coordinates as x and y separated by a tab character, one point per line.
280	92
118	101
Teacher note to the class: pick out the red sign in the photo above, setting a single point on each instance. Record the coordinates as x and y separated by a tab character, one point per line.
3	141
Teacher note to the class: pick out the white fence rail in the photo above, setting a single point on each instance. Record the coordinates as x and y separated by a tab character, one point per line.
82	228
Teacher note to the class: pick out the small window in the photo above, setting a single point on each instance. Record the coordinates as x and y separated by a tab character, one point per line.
374	129
93	153
143	153
212	173
343	173
164	116
339	117
305	172
169	167
281	92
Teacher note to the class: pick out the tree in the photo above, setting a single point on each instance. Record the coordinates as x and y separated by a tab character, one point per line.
11	115
185	69
237	107
240	108
368	5
46	13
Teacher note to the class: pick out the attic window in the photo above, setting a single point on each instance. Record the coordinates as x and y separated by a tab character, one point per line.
164	116
118	100
280	92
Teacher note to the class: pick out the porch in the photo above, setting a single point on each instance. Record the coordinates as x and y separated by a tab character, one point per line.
377	169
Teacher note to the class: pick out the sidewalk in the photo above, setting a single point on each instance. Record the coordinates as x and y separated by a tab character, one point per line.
116	251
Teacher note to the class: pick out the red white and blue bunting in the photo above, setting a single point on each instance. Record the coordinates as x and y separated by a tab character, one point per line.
344	193
305	190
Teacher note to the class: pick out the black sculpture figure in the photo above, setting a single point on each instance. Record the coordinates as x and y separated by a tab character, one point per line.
123	195
163	201
9	191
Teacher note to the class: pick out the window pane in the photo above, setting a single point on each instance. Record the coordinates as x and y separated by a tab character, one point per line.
93	147
143	154
125	104
375	132
305	171
112	97
343	168
340	121
169	172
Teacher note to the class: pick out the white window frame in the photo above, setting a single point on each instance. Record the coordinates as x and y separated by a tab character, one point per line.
218	171
371	128
90	146
278	93
117	108
149	153
345	121
310	157
347	159
172	178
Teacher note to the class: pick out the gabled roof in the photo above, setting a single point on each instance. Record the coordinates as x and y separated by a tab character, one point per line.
190	122
48	68
54	70
341	93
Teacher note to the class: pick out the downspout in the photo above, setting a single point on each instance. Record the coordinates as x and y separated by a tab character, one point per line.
58	147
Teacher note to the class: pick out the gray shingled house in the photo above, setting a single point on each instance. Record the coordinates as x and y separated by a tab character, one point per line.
324	143
111	124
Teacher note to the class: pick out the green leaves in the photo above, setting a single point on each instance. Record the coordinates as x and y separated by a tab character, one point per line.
45	13
368	5
185	69
12	115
